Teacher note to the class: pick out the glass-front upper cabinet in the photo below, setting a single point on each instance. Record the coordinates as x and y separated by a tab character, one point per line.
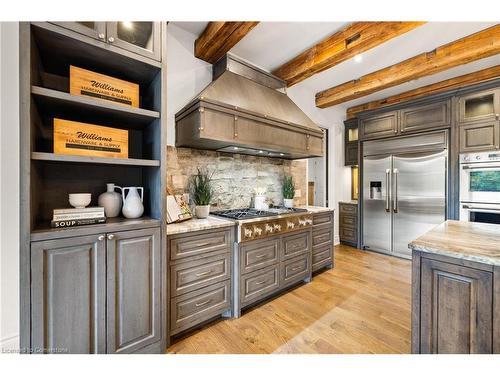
96	30
142	38
480	106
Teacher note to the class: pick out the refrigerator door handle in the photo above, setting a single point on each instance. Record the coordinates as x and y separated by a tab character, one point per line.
387	188
396	173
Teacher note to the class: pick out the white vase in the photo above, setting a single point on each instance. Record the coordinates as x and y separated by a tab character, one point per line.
132	202
202	212
259	202
111	201
288	203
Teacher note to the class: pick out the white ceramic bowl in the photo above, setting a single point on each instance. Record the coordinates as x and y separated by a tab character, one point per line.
80	200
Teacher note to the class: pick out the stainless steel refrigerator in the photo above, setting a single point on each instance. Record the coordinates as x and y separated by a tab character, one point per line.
404	190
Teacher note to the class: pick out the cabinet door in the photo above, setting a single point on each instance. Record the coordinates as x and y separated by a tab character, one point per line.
142	38
351	154
96	30
482	106
424	117
480	136
133	290
456	309
68	289
379	126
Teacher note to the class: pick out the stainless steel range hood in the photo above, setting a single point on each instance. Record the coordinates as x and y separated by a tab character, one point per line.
245	110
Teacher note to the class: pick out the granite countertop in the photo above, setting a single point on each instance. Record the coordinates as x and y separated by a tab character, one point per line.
194	224
317	209
476	242
349	202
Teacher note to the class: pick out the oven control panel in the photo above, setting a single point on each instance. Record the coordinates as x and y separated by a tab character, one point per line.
262	229
479	157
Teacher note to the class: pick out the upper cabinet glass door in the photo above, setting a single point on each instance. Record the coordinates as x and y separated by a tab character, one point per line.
479	107
139	37
96	30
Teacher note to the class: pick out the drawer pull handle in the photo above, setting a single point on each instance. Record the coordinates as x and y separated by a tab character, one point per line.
261	256
295	268
203	303
260	282
203	273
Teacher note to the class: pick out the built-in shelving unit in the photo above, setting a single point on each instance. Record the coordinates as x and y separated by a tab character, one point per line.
46	52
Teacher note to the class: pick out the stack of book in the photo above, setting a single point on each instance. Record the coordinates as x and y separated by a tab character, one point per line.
70	217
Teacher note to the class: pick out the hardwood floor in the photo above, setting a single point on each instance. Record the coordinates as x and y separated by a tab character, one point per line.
360	306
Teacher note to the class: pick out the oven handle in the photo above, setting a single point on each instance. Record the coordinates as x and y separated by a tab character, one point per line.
480	209
481	167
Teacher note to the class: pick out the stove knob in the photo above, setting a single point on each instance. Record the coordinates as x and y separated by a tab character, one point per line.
269	228
257	231
248	233
290	225
309	221
478	157
302	222
277	227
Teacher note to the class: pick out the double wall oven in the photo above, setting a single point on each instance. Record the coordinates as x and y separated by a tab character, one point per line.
480	187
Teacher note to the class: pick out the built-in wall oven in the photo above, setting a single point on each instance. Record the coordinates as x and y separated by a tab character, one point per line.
480	187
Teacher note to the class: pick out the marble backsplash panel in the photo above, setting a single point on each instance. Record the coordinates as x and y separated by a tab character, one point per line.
235	176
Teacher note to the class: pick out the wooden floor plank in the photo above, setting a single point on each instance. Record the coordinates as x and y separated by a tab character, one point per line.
360	306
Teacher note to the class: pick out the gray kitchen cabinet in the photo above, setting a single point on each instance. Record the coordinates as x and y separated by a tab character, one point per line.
93	29
480	136
322	241
133	290
452	307
379	126
425	117
142	38
348	223
351	144
68	289
479	106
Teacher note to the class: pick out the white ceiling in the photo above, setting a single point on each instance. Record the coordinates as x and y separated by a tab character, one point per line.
270	44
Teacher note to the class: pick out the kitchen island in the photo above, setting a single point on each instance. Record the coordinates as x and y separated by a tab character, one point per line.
456	289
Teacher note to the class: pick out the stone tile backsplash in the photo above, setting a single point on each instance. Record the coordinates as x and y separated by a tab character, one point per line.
235	176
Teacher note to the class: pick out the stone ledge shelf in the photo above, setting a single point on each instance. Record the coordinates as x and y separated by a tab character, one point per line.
194	224
477	242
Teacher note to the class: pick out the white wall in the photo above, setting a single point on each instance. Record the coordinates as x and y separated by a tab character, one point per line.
9	185
186	75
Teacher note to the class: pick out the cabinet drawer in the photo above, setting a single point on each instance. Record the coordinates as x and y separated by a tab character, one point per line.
348	234
188	276
295	269
199	243
258	255
429	116
295	244
322	236
193	308
348	208
480	136
323	219
348	220
321	257
258	284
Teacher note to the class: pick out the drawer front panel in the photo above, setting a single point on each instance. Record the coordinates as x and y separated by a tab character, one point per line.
348	208
192	308
323	218
322	236
188	276
296	244
348	234
256	285
258	255
348	220
203	243
295	269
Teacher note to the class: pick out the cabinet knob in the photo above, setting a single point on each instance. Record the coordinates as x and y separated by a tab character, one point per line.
111	39
111	236
101	237
497	115
101	36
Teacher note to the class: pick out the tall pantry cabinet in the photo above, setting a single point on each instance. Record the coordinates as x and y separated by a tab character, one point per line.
98	288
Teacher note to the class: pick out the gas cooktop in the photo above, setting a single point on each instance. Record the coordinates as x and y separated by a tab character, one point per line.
252	213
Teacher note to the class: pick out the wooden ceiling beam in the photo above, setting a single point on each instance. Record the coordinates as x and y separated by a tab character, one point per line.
474	47
219	37
435	88
354	39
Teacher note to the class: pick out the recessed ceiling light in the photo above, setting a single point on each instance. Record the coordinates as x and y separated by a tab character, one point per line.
282	154
261	152
128	24
235	148
358	58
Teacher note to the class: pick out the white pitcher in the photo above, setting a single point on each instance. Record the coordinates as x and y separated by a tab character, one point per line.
132	203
